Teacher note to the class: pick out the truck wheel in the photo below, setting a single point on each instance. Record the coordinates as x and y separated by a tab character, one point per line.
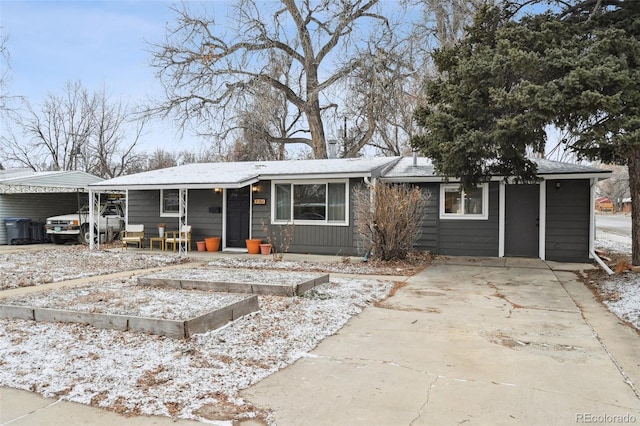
56	239
84	234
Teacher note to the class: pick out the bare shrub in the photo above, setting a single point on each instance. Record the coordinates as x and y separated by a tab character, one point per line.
389	218
280	238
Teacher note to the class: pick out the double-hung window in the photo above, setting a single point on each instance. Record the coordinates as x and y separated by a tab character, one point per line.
457	203
169	202
317	203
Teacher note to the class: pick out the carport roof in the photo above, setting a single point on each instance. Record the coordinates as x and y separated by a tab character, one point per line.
28	181
240	174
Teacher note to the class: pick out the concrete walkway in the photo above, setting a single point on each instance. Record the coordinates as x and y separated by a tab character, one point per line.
468	341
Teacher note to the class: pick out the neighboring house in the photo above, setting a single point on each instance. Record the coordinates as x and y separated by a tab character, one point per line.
604	204
626	205
38	195
551	220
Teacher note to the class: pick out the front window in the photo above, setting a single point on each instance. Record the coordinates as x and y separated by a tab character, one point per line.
170	202
312	203
456	203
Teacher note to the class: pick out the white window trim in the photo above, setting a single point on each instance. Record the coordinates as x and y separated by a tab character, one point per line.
309	222
167	214
461	216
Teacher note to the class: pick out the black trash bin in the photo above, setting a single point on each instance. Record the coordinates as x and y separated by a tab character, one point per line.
18	230
38	235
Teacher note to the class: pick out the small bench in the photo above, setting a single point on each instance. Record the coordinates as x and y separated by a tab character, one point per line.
134	234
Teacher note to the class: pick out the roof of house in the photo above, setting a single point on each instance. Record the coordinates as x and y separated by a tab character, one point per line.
240	174
423	170
28	181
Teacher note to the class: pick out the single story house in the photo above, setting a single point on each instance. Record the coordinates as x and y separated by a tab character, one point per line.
38	195
552	219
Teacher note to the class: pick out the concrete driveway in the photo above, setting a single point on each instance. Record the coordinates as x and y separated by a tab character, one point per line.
469	341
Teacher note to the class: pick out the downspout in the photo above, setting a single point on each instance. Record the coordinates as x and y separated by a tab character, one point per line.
592	228
371	183
601	262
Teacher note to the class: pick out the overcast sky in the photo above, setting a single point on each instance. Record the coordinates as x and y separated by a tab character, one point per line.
100	43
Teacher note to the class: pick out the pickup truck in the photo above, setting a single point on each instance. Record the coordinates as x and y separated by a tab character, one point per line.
75	226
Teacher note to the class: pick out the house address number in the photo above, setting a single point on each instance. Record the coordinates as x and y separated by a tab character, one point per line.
260	201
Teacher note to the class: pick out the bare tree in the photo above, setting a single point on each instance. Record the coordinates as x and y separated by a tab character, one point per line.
205	71
384	94
77	131
6	99
161	159
266	121
112	145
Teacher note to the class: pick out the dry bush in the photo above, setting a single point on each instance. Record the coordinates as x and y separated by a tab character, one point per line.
389	218
280	237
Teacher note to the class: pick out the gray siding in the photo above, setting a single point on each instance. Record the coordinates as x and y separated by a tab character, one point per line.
429	233
320	239
204	211
567	220
36	206
460	237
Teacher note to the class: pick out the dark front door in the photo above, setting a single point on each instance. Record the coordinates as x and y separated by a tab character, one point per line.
522	209
238	206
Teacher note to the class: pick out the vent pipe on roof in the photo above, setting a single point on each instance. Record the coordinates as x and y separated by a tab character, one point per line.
332	151
415	157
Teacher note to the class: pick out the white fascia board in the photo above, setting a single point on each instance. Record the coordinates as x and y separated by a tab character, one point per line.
430	179
551	176
315	176
142	187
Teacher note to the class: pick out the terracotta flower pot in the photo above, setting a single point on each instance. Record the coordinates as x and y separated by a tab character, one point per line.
253	246
265	248
201	245
212	243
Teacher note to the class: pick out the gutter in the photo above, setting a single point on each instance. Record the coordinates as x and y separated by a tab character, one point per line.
603	265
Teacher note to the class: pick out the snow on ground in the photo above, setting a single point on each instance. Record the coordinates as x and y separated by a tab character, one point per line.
620	292
30	268
137	373
127	298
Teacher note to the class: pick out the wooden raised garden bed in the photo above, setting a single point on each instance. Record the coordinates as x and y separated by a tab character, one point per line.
180	329
289	287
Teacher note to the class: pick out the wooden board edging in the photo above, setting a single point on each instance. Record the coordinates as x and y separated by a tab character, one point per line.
220	317
16	312
179	329
109	321
308	285
236	287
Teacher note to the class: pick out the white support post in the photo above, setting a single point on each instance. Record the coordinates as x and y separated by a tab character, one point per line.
542	221
94	206
91	243
182	223
126	209
501	216
592	215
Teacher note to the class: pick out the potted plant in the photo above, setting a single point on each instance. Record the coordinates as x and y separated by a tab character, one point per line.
212	243
253	245
161	228
265	248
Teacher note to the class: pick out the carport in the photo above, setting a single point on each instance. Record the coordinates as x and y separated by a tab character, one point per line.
38	195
